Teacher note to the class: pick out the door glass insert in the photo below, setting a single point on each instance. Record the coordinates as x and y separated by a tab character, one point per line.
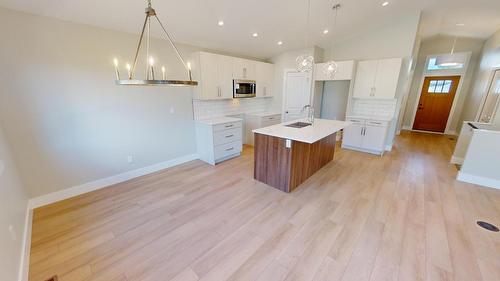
440	86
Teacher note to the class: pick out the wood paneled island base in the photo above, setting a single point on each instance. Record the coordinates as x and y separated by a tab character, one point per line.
286	168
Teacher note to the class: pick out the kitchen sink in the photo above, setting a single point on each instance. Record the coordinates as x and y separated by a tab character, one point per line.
298	125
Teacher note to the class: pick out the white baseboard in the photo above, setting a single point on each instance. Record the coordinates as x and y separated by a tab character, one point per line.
388	147
26	247
457	160
407	128
488	182
98	184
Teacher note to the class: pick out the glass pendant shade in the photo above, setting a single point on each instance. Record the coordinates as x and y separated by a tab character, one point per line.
305	63
330	69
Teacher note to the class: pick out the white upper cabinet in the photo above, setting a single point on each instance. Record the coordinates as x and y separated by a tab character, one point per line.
264	78
345	71
364	82
377	78
243	69
215	74
225	74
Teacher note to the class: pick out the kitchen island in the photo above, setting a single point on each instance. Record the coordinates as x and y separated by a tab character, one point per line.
287	154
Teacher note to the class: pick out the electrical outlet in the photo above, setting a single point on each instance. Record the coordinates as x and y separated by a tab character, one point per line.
130	159
13	233
172	110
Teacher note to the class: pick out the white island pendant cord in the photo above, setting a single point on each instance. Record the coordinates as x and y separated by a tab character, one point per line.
150	72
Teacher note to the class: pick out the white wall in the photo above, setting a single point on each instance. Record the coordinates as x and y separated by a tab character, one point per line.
66	121
390	41
490	57
13	203
441	45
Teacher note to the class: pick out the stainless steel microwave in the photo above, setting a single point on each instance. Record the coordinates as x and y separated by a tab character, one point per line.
244	88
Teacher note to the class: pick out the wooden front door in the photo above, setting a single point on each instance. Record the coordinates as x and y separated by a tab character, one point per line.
435	103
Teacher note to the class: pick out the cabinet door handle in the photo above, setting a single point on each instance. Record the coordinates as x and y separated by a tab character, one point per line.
265	91
229	126
244	72
229	149
229	136
362	130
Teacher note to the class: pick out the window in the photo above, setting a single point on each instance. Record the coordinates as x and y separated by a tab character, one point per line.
440	86
431	65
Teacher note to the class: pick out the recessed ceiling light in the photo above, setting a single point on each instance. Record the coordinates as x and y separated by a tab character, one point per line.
220	22
460	24
280	43
325	31
385	3
255	34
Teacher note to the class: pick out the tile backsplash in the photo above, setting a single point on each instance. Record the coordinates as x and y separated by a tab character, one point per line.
203	109
374	107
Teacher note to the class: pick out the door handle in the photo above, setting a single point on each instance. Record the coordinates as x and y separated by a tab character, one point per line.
420	106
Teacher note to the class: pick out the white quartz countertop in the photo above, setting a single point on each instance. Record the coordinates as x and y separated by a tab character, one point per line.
310	134
218	120
366	117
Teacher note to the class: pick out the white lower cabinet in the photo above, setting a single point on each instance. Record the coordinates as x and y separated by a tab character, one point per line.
259	121
366	135
217	142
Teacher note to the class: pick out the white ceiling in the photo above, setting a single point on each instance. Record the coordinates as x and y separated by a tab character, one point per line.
195	21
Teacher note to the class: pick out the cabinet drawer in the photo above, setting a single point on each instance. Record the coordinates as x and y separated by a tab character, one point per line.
276	118
356	121
227	149
377	123
225	126
230	135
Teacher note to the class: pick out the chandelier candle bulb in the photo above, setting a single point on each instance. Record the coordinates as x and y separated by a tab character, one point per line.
129	73
117	72
189	70
152	63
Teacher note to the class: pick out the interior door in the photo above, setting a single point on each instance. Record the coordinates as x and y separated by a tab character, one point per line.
435	103
492	101
297	94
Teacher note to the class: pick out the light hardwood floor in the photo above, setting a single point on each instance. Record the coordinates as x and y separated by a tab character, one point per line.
362	217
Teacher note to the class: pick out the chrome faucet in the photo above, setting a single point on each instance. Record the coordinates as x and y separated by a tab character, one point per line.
310	113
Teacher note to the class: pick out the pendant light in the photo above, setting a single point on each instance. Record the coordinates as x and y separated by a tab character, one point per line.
150	79
330	67
305	62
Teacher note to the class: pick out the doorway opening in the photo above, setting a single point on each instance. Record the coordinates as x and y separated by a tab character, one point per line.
436	101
